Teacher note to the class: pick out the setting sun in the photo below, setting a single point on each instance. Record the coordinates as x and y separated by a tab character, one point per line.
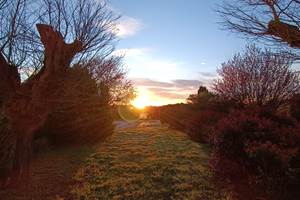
147	98
142	100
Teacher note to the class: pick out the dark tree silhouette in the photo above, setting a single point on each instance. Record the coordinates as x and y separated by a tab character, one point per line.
78	31
27	106
258	77
270	20
202	97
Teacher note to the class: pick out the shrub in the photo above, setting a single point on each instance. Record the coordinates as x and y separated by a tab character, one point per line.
248	78
82	115
200	125
257	156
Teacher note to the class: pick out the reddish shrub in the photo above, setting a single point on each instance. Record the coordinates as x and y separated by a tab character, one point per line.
257	156
200	125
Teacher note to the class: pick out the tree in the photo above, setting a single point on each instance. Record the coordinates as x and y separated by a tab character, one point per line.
110	75
83	20
271	20
202	97
258	77
26	103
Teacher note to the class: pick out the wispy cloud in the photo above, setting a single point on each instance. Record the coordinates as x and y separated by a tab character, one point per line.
178	89
163	78
208	75
128	26
146	62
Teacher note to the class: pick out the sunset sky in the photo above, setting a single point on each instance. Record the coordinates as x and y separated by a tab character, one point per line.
172	47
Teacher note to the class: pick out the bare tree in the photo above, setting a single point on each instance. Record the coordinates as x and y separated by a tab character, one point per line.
271	20
258	77
83	20
16	29
111	77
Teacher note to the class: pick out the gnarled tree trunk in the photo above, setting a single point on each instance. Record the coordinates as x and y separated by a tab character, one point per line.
26	106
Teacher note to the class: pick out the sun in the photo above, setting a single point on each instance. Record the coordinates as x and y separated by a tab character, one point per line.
142	100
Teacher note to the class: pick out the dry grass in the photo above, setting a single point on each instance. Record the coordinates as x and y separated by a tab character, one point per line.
146	163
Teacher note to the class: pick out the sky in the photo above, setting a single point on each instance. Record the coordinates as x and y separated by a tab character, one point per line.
172	47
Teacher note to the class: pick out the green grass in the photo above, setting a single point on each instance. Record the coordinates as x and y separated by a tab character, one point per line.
146	163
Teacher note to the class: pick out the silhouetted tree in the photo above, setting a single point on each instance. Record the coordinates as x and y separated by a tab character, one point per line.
26	105
270	20
258	77
202	96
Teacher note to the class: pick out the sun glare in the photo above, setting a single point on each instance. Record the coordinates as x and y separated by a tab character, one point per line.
147	98
142	100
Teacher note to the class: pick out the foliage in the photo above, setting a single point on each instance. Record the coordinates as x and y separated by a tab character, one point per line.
258	77
40	41
83	116
201	98
256	154
111	77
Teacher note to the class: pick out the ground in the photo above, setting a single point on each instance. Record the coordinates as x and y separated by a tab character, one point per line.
141	161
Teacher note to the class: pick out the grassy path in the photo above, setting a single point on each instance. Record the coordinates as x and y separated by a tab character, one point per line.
146	162
140	161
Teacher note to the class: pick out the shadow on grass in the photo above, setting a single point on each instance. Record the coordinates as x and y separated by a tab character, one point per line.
50	175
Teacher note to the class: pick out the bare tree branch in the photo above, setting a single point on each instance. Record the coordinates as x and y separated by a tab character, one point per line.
273	21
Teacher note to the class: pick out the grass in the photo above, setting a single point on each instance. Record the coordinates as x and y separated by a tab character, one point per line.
146	162
50	175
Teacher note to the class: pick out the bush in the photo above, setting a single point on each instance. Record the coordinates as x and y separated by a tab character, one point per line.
82	115
200	125
257	156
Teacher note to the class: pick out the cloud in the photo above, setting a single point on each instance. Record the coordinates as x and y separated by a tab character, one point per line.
193	84
178	89
151	83
147	62
128	26
207	75
131	52
178	83
166	80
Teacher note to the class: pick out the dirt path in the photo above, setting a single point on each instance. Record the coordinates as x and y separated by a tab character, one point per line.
147	161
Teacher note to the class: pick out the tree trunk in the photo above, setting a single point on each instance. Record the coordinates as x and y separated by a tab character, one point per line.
26	106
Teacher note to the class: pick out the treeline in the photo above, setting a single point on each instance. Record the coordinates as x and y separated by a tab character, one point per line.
251	121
